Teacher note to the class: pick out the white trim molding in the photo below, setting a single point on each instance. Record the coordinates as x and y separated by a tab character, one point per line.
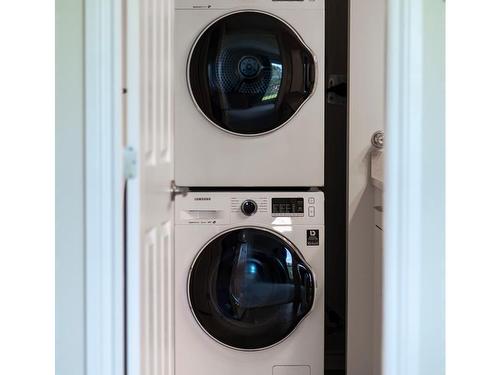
104	189
413	342
133	113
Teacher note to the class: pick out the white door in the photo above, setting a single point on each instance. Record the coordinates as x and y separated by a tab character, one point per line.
149	202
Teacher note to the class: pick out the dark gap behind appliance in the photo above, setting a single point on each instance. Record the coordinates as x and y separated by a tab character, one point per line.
336	184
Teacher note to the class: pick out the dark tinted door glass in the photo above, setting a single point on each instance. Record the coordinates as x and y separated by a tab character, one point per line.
250	73
249	289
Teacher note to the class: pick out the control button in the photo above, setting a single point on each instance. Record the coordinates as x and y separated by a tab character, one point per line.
311	211
311	200
249	207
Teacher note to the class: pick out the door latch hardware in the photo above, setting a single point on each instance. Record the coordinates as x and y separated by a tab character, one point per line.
378	139
129	163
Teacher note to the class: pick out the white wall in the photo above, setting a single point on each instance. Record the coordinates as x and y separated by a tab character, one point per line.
366	111
69	137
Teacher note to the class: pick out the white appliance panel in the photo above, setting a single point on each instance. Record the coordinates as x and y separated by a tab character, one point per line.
292	155
198	353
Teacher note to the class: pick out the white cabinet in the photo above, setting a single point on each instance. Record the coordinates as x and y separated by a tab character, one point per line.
377	177
378	252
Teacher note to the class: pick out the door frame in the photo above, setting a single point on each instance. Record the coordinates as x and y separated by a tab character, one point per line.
104	232
414	270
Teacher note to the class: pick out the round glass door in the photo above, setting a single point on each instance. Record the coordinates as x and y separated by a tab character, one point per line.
249	288
249	73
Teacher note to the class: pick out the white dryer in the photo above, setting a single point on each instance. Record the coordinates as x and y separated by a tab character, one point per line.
249	283
249	93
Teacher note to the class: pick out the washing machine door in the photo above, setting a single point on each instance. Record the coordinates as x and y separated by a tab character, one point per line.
249	73
249	288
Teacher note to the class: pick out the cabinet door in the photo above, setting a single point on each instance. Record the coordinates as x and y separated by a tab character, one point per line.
149	200
378	258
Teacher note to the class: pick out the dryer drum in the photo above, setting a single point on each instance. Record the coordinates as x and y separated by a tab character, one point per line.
249	73
249	288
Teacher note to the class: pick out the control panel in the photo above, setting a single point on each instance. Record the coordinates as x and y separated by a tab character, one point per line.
250	208
249	4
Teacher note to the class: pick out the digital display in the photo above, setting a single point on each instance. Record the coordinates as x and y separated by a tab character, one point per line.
288	206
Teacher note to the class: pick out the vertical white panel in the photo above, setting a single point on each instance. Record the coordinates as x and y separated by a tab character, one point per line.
162	303
161	74
150	318
146	125
166	281
146	305
366	115
156	92
165	21
155	303
134	78
414	247
153	104
377	300
150	125
157	289
104	188
69	188
166	31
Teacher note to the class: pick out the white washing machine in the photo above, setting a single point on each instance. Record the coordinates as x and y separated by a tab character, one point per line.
249	93
249	283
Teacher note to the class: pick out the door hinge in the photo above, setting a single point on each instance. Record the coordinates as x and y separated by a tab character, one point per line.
177	190
129	163
337	89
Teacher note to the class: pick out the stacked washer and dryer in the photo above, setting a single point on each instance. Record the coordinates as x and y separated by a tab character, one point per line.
249	145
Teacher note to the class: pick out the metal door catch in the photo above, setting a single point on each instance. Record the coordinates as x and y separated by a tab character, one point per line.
129	163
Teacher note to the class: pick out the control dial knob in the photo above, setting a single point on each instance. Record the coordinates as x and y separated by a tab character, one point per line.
249	207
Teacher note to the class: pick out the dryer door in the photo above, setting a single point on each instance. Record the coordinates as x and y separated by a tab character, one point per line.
249	288
249	73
